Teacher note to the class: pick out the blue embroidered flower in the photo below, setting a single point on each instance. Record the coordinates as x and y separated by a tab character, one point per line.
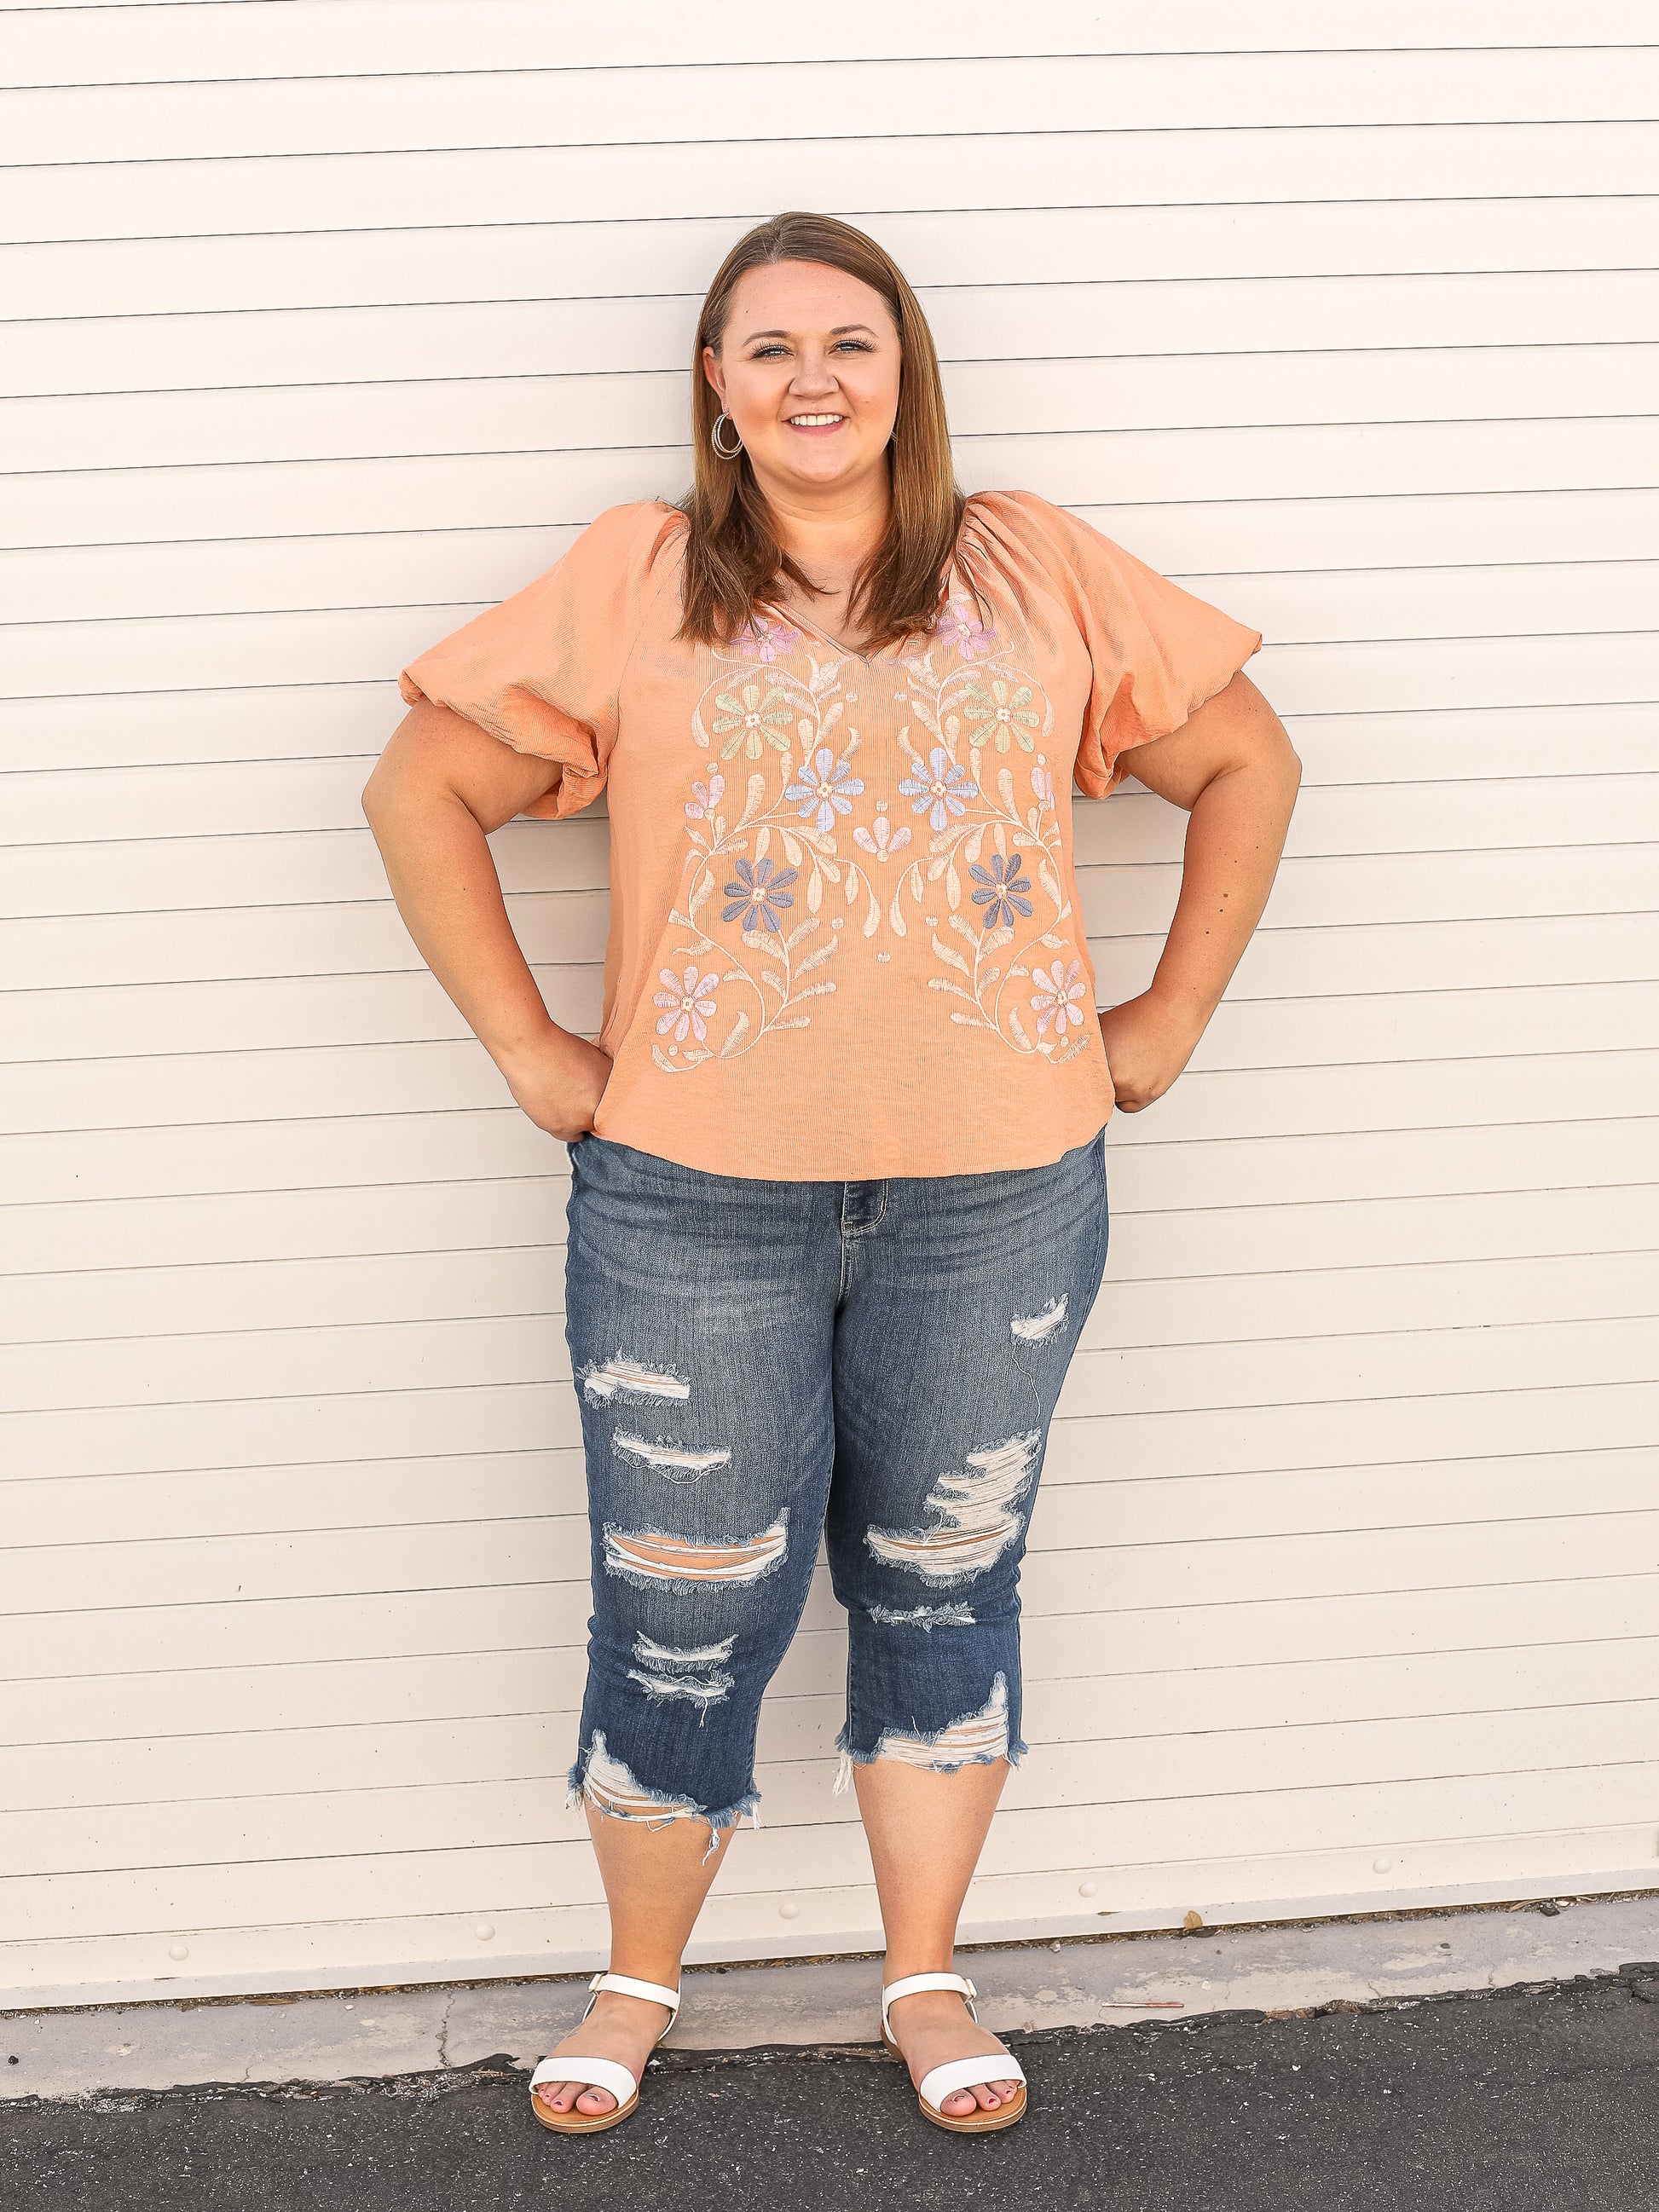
946	787
760	891
827	786
1003	884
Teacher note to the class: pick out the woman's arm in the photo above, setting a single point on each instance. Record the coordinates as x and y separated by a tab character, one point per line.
1232	767
438	786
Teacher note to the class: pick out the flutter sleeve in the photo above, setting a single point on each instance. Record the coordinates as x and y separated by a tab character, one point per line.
1157	651
543	671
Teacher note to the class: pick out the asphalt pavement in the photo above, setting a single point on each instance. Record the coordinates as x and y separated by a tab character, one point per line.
1528	2096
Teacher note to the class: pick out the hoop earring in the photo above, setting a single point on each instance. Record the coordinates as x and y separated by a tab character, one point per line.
725	453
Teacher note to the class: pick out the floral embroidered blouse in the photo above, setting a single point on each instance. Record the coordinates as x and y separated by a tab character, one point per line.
845	939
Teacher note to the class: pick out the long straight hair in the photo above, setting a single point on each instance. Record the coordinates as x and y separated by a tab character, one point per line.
732	556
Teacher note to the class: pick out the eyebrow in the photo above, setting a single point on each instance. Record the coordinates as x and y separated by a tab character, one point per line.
840	330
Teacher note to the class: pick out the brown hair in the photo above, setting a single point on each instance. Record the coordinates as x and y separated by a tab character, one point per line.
733	555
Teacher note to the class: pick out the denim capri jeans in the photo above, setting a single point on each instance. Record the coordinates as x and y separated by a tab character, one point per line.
760	1363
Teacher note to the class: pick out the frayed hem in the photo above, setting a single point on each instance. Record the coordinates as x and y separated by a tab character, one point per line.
978	1739
578	1795
849	1759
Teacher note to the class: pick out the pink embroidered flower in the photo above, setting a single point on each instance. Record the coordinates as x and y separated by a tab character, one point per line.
881	838
709	796
957	627
688	998
1056	1004
765	640
1043	785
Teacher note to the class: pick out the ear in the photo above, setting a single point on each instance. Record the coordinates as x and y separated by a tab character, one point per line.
714	373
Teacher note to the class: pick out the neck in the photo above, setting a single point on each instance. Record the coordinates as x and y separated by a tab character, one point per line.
833	532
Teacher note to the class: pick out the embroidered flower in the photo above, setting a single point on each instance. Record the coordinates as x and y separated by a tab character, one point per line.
751	718
1056	1003
708	798
881	838
956	626
1043	785
763	640
1003	883
946	791
1009	713
760	889
688	998
827	786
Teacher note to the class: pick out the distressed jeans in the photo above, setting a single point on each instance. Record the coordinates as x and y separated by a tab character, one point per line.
762	1362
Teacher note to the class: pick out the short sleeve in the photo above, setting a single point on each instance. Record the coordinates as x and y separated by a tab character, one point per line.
543	671
1157	651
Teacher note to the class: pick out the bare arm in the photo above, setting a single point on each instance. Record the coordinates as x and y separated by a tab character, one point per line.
440	785
1232	767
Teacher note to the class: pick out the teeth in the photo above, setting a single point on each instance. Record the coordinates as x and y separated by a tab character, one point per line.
812	421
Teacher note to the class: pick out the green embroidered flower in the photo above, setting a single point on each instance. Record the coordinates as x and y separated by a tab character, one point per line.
1011	716
751	718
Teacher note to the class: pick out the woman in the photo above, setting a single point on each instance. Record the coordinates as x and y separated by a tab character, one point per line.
838	1207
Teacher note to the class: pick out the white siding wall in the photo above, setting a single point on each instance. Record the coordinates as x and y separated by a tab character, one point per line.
332	322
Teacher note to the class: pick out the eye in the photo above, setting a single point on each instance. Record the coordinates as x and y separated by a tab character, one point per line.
856	345
766	353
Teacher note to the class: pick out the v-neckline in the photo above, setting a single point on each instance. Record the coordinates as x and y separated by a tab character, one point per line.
804	620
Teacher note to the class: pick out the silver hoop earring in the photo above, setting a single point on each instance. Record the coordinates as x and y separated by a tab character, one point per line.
725	454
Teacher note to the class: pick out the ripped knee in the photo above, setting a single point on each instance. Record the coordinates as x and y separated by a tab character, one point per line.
650	1555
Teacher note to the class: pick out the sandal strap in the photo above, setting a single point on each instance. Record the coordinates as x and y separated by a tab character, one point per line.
627	1985
967	2074
913	1984
598	2073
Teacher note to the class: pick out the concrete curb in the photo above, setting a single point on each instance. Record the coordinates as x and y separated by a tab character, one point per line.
1092	1982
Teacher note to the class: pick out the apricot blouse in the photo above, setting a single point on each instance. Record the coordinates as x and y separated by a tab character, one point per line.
845	940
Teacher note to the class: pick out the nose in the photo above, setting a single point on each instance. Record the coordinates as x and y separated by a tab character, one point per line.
814	377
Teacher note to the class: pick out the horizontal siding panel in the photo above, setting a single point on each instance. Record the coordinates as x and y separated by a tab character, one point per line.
1080	470
1514	535
222	1069
184	1717
1315	955
1098	316
321	38
430	1330
332	195
1331	919
1013	246
1540	1239
271	1260
488	414
363	1780
273	801
1145	1505
935	95
80	1186
493	1377
1585	607
1122	1638
395	1852
1433	746
530	1526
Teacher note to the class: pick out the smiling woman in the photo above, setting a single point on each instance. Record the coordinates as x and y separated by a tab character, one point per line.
813	354
838	1210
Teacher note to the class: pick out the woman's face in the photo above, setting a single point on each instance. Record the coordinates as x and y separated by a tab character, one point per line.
808	370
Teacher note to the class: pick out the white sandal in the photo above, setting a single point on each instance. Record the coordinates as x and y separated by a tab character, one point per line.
957	2073
608	2074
